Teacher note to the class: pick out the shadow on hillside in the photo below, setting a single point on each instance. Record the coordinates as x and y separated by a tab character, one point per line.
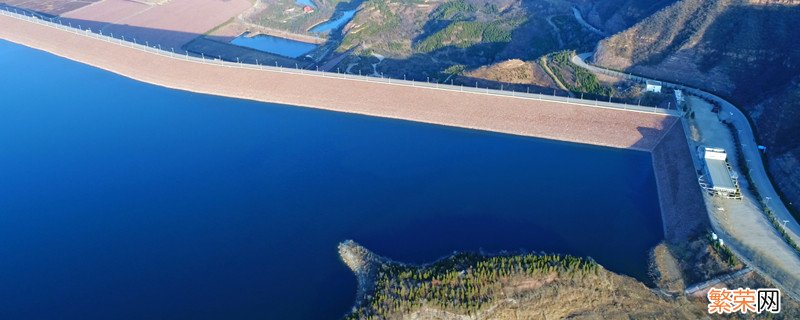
772	27
756	45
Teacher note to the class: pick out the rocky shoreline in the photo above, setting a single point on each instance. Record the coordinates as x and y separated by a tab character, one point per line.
364	265
475	286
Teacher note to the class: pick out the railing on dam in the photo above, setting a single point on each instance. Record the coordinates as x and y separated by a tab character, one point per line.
156	49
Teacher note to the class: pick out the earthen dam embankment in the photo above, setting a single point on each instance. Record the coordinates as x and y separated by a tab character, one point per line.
513	115
654	132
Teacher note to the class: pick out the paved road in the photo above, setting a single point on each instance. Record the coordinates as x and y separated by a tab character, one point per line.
749	146
757	172
740	223
583	22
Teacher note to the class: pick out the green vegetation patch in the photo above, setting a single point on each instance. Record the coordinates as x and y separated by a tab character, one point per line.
374	27
575	36
464	34
455	69
583	81
287	15
464	283
454	10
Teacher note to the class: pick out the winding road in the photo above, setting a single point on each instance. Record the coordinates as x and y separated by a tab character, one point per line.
556	31
762	183
583	22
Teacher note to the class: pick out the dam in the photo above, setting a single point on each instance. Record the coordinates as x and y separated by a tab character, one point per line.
591	122
179	199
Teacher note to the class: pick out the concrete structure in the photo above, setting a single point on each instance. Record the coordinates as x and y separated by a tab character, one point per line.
680	100
683	210
719	179
652	86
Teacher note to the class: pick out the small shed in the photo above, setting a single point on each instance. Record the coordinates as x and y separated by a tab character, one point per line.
653	86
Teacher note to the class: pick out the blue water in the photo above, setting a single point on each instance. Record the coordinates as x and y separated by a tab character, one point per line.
281	46
123	200
335	23
306	3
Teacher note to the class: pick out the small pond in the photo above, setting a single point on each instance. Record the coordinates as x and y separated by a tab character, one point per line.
306	3
271	44
334	24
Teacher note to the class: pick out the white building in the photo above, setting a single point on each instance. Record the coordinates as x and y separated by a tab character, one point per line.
719	178
653	86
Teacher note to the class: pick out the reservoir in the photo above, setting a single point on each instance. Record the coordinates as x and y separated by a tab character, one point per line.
124	200
309	3
280	46
333	24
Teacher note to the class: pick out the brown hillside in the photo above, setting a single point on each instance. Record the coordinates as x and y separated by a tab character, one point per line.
613	16
513	71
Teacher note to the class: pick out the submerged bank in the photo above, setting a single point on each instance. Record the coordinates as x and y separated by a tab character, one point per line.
571	122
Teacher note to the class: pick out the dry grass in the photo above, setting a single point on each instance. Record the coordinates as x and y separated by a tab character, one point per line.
602	296
665	270
513	71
